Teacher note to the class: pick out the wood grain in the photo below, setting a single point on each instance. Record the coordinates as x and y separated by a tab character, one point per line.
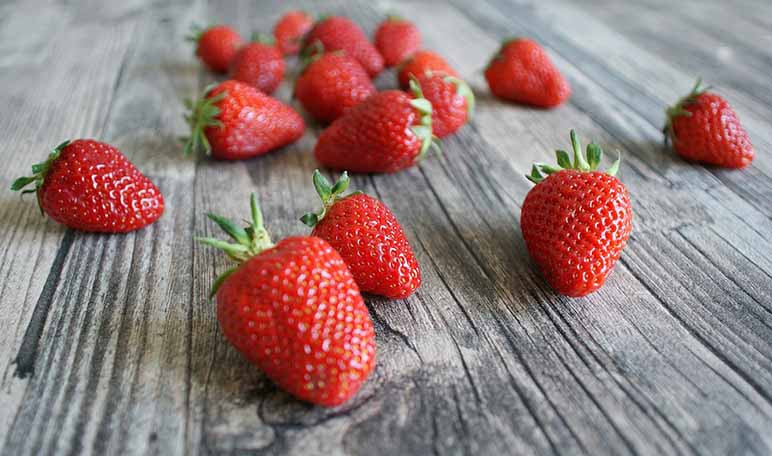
110	345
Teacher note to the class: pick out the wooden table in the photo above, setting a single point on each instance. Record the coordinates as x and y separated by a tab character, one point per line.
109	344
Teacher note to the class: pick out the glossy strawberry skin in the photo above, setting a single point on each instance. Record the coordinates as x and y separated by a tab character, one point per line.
523	72
332	85
450	110
711	133
290	30
217	46
575	225
296	312
371	241
91	186
420	63
397	39
341	34
374	136
260	65
253	123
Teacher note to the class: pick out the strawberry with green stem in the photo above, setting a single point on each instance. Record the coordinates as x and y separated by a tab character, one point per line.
576	220
368	237
234	121
703	127
293	309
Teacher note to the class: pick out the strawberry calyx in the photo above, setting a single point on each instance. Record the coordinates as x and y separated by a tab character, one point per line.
39	173
678	109
423	129
203	114
540	171
329	194
262	38
249	241
463	89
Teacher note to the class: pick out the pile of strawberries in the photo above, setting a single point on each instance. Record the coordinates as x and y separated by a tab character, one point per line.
295	308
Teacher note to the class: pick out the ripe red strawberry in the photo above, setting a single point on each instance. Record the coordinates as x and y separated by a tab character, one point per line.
290	30
419	64
91	186
295	311
452	102
216	46
522	72
233	121
396	40
259	64
339	33
576	221
332	84
704	128
368	237
385	133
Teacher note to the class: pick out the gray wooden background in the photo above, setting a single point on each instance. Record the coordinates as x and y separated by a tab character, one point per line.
108	344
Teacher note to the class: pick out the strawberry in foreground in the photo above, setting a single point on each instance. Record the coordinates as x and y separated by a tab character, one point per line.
387	132
703	127
216	46
91	186
259	64
576	220
295	311
331	84
451	98
337	33
396	39
368	237
419	64
290	30
521	71
233	121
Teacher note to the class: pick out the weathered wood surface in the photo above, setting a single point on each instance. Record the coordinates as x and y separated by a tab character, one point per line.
108	344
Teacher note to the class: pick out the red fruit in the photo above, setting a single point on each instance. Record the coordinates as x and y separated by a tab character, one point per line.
294	310
576	221
522	72
368	237
290	30
216	46
91	186
331	85
396	40
704	128
420	63
339	33
259	64
233	121
452	102
385	133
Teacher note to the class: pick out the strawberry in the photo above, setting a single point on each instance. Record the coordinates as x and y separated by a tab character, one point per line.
704	128
522	72
419	64
233	121
290	30
216	46
368	237
91	186
259	64
385	133
331	84
339	33
576	220
452	101
396	39
295	311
